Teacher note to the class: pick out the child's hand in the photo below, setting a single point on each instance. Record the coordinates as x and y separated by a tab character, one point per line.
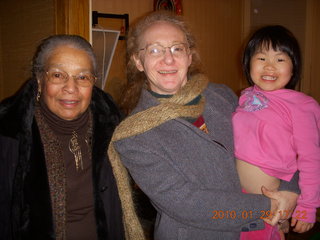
300	226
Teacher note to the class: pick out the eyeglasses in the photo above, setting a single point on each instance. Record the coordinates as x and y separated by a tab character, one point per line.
157	50
60	77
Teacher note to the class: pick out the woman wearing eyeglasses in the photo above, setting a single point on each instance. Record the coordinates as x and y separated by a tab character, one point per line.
56	181
177	141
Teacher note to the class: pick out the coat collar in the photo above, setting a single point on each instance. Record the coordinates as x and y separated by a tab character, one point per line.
16	112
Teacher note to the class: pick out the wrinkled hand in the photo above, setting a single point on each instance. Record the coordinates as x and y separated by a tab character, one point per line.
300	226
282	204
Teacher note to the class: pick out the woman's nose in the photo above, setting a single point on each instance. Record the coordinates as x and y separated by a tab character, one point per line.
71	85
168	56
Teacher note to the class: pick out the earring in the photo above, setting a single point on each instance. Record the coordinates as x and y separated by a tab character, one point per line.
38	95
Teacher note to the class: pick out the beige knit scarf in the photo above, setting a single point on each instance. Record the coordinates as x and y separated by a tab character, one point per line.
170	108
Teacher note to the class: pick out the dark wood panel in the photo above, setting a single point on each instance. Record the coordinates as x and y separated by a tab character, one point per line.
22	25
72	17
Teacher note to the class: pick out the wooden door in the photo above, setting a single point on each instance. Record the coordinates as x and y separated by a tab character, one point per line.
72	17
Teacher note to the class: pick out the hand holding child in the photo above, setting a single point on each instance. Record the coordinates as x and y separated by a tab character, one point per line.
281	202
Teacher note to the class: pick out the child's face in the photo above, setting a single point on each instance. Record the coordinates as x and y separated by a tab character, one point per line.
270	70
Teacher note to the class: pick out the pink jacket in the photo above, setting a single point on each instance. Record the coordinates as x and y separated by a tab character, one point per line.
279	132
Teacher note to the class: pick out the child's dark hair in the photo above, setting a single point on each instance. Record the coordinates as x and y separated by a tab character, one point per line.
280	39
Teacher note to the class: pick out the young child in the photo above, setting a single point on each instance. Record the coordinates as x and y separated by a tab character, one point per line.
276	129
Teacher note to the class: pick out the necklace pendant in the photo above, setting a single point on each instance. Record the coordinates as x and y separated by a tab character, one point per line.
75	149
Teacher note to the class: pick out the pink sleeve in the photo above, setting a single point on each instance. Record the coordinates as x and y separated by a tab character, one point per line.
306	123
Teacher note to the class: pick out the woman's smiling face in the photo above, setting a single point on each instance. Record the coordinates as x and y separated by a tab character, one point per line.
166	73
67	100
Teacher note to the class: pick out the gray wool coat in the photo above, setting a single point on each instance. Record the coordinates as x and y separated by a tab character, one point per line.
190	176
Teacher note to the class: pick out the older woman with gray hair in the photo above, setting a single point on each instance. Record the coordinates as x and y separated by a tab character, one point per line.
56	181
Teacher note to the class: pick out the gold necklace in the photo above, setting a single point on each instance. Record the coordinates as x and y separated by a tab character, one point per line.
74	147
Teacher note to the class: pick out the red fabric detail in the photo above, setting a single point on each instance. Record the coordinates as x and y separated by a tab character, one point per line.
200	123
